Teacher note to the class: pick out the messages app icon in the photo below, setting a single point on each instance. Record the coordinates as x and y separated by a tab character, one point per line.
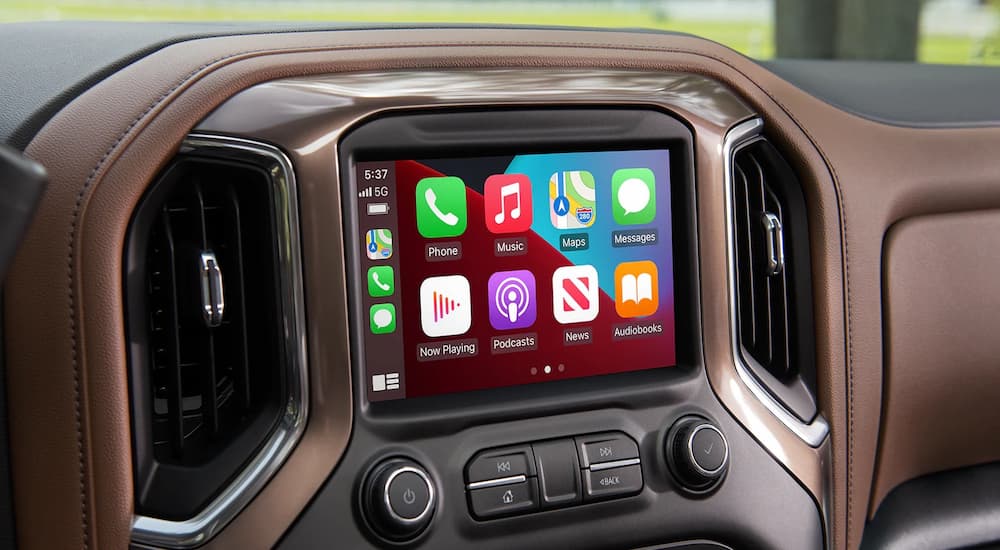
382	318
441	207
633	193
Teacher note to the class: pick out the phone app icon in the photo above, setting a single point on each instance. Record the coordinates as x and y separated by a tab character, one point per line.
378	244
637	289
512	299
382	318
507	198
634	194
381	281
572	199
575	294
441	207
445	306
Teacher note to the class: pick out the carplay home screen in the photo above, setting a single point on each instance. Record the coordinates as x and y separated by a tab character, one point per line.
497	271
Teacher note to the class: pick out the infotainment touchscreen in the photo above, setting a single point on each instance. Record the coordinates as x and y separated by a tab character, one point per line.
483	272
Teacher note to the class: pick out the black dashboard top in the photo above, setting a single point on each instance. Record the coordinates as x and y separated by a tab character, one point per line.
902	94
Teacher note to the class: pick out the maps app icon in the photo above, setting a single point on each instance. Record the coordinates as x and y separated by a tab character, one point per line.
378	244
572	199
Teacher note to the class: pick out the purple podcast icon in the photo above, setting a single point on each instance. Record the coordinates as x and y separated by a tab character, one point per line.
512	299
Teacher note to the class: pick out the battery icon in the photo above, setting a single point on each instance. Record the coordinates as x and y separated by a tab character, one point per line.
378	208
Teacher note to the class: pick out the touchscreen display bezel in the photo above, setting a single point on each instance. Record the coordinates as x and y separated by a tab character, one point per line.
465	134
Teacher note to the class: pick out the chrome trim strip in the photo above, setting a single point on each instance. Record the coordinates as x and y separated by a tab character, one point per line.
155	532
614	464
815	432
825	498
499	482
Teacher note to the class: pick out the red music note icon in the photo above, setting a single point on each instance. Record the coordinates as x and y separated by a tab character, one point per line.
508	203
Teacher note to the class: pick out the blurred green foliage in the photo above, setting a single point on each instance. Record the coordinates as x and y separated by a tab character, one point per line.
754	39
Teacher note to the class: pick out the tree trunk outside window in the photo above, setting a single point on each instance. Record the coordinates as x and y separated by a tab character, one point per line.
847	29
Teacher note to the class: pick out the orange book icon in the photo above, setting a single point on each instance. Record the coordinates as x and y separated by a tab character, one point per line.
637	289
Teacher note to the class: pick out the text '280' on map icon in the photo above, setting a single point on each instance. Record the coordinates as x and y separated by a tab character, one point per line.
572	199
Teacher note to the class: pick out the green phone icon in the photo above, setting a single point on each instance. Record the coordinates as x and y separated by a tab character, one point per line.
382	318
633	193
441	207
381	281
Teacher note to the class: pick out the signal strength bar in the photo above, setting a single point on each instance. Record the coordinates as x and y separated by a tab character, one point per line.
367	193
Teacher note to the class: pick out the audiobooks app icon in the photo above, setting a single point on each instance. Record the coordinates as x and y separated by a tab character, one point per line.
636	289
445	306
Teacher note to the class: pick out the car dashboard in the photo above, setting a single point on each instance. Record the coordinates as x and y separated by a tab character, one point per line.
494	287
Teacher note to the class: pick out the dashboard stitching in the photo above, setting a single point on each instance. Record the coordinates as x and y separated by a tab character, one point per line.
842	216
847	288
847	292
74	219
271	51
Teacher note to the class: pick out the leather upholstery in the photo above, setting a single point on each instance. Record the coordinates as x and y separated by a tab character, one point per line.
65	328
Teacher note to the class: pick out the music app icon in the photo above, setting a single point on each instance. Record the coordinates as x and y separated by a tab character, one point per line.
508	203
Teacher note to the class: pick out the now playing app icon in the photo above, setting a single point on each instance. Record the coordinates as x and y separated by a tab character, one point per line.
445	306
575	294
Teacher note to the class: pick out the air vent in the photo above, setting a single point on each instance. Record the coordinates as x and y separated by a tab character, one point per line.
773	282
215	377
204	385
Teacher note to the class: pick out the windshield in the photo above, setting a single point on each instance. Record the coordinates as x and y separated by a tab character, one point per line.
930	31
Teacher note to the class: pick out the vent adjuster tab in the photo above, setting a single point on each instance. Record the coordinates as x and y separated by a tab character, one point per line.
212	298
774	242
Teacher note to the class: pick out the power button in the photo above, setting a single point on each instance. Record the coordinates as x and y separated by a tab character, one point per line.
408	493
398	499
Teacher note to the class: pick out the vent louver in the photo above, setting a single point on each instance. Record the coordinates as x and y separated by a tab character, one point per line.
216	381
204	385
773	282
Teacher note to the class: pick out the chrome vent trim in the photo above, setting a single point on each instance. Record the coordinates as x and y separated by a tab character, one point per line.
816	431
159	533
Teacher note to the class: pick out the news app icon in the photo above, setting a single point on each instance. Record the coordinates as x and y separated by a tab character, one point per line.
512	299
636	289
445	306
575	294
507	199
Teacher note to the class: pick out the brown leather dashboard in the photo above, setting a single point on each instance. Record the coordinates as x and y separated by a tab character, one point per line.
862	179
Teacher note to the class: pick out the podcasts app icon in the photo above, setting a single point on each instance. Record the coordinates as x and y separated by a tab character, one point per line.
512	299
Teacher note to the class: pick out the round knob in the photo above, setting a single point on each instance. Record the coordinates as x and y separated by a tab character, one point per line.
398	499
697	453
